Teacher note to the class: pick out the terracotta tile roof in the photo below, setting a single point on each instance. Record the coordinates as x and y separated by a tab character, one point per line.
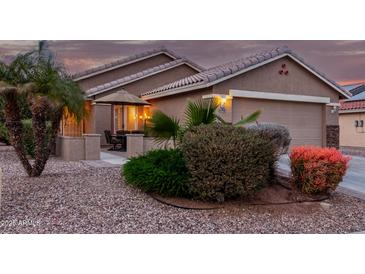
130	59
352	105
215	74
134	77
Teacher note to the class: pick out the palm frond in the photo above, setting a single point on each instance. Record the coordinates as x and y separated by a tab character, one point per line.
163	127
201	111
249	119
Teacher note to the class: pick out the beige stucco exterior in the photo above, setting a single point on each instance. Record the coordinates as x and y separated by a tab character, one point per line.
85	147
175	105
299	81
350	136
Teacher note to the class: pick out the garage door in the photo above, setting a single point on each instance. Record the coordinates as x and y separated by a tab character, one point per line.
304	120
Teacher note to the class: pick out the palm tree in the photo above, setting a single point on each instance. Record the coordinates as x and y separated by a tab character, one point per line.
201	112
163	127
49	91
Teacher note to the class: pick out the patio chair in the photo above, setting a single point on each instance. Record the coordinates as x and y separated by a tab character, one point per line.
111	140
137	132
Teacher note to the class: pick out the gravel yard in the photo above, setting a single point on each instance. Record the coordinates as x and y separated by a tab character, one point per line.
72	197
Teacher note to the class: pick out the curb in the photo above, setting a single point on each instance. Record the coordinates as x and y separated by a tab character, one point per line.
351	192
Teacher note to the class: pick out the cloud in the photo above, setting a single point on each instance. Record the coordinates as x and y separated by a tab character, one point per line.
340	60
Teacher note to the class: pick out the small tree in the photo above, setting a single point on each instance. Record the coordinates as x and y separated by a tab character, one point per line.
48	90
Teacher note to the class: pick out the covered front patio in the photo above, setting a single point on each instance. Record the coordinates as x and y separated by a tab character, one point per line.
128	116
108	121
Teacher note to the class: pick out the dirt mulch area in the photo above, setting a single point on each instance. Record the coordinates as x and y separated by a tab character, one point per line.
276	198
72	197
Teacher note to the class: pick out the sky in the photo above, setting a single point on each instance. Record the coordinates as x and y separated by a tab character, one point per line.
342	61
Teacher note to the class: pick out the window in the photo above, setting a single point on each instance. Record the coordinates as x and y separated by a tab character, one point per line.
125	117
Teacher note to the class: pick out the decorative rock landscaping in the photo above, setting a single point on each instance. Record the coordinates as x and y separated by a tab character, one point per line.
73	197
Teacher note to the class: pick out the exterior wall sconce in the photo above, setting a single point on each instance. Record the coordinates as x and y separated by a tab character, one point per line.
144	117
222	103
359	123
335	107
221	99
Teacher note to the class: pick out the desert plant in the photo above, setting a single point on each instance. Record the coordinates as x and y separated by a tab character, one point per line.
317	170
49	90
159	171
202	111
277	134
226	162
163	127
251	118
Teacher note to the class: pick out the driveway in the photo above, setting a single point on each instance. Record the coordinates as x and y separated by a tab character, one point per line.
354	181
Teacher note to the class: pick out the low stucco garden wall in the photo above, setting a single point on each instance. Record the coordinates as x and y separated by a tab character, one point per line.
85	147
138	144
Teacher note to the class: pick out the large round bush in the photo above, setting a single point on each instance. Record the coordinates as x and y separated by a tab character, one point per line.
159	171
226	162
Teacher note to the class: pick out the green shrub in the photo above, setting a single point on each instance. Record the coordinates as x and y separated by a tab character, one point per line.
277	134
4	136
226	162
159	171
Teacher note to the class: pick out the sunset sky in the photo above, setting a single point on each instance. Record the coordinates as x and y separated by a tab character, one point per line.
342	61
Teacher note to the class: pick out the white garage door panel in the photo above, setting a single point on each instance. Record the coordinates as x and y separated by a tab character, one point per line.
304	120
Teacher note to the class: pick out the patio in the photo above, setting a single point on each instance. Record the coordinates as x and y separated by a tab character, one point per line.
74	197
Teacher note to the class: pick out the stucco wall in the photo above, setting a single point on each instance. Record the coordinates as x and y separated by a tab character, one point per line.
298	81
85	147
175	105
124	71
350	136
102	118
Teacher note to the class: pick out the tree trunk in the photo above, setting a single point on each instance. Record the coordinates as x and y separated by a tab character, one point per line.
39	109
42	159
14	125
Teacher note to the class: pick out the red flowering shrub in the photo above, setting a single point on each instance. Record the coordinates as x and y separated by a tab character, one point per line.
317	170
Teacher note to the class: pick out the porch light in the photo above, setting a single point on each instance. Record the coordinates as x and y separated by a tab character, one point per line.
222	100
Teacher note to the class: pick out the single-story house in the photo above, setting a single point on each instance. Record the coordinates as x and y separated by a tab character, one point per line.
352	128
278	82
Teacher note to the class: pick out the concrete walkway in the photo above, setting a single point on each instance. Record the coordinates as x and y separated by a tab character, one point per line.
108	159
354	181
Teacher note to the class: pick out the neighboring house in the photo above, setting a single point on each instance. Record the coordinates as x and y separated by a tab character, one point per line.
286	89
354	89
352	127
